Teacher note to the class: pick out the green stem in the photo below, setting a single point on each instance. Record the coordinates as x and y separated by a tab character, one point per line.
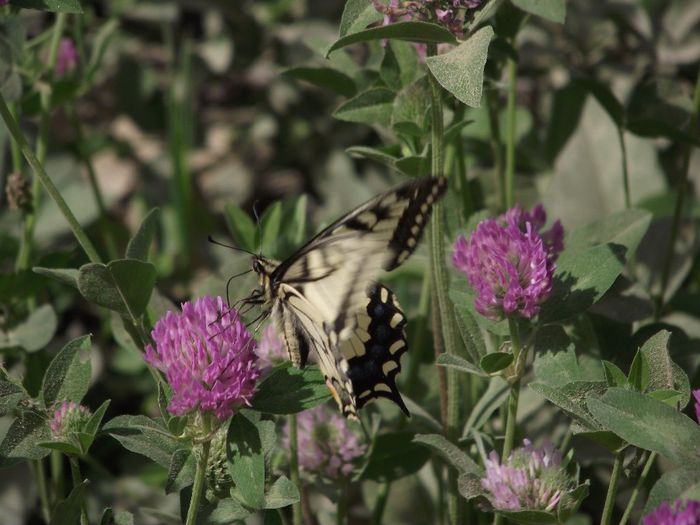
514	396
612	489
57	481
380	503
625	171
294	465
46	182
510	135
497	151
86	157
638	487
680	198
341	513
445	313
198	486
37	468
77	481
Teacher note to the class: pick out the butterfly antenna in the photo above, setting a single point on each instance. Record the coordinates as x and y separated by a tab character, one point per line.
231	247
228	284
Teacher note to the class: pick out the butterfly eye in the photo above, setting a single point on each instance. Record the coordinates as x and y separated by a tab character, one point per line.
257	267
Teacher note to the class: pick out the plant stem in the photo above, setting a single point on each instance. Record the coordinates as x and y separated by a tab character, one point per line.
638	487
514	396
495	131
198	486
612	489
46	182
510	134
77	481
341	512
680	198
294	465
445	314
625	171
380	503
37	468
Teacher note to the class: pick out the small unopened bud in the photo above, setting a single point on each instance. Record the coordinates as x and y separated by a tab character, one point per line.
69	417
217	467
19	192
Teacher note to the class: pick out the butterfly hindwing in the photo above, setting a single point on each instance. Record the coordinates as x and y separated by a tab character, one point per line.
373	352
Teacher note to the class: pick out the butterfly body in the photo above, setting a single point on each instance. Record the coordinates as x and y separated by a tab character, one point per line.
324	296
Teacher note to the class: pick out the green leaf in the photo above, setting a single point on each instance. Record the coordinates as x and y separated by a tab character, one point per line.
35	332
100	44
554	10
64	447
241	227
374	106
64	275
271	222
400	65
93	424
449	452
679	484
365	152
494	397
495	362
10	395
181	470
357	15
58	6
639	373
470	332
572	399
648	424
661	372
581	279
556	363
670	397
68	376
288	390
282	493
140	243
530	517
614	376
67	512
222	512
394	455
411	31
144	436
23	438
458	363
413	166
625	228
461	70
324	77
246	460
124	285
605	98
411	106
121	517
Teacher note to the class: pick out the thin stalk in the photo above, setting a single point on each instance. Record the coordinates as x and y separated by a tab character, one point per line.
625	171
497	150
57	481
510	135
25	252
86	157
445	315
294	465
380	503
612	489
39	472
46	182
680	198
198	486
341	513
637	488
77	481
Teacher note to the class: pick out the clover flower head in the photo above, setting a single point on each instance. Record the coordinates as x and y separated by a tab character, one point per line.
270	349
680	513
68	417
508	262
696	396
449	13
207	356
530	479
67	57
327	446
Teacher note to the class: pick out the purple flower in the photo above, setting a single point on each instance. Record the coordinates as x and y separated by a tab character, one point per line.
67	57
449	13
509	263
68	417
531	479
208	358
327	446
4	2
681	513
